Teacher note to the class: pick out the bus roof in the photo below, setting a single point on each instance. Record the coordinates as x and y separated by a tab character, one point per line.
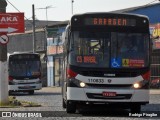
15	53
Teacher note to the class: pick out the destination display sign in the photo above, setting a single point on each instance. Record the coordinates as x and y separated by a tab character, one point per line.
25	56
110	21
86	59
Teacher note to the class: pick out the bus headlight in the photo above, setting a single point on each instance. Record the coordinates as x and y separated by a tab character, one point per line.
144	84
76	83
82	84
136	85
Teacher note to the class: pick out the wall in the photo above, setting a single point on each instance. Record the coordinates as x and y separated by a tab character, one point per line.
24	42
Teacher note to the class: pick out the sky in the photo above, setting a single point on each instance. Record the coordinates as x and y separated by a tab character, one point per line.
61	10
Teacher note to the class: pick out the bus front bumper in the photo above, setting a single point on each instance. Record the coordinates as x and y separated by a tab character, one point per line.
25	87
95	95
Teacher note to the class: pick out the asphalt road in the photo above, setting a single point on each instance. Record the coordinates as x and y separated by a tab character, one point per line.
50	99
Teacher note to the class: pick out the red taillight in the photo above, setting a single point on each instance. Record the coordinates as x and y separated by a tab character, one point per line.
71	74
146	76
10	78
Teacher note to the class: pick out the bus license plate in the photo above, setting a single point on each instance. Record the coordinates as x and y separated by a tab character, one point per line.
109	94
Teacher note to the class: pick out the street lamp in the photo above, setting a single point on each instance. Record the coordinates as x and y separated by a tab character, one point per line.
47	7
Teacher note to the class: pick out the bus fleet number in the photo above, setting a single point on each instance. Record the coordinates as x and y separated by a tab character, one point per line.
96	80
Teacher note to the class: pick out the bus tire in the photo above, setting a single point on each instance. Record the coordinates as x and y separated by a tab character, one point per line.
63	103
31	92
136	109
70	107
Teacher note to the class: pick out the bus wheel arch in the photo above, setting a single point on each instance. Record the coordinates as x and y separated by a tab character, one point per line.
64	105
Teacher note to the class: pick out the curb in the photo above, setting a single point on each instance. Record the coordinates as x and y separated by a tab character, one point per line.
157	91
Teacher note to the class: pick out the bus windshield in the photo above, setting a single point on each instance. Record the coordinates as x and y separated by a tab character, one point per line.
24	68
109	49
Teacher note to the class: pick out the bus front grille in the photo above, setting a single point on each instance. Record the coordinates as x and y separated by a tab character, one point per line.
110	86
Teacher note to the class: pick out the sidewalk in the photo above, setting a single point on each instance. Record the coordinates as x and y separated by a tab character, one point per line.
58	90
50	89
155	91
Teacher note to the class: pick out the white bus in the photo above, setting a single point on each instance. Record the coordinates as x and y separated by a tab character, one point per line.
24	72
106	61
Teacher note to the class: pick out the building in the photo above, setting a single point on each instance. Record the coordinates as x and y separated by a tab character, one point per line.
38	24
152	11
54	53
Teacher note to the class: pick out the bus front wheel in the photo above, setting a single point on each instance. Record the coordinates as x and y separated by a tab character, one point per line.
63	103
71	107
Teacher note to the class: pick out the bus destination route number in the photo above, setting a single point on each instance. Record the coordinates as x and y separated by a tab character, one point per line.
86	59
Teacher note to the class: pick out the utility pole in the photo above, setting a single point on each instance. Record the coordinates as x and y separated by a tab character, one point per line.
3	64
33	26
72	1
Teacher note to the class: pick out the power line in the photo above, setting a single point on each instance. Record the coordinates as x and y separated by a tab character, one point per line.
18	10
13	6
152	2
